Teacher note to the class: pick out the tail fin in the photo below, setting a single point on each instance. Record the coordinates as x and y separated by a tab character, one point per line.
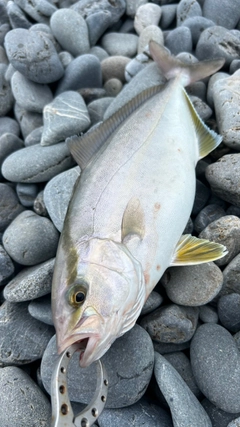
173	67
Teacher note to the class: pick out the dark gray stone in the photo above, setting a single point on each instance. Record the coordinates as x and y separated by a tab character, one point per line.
65	116
10	207
218	417
168	15
6	266
179	40
17	17
222	13
23	339
215	363
41	309
89	7
114	67
34	55
3	13
197	24
71	31
30	283
30	239
57	195
28	120
228	311
201	197
225	230
207	215
231	277
153	301
171	323
166	348
27	194
193	285
39	205
9	125
184	406
197	89
187	9
97	24
129	363
98	107
6	98
36	163
83	71
189	227
30	95
31	406
39	10
208	314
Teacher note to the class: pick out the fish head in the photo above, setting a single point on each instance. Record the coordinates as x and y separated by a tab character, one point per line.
100	301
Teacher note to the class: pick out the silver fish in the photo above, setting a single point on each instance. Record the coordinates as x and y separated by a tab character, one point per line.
129	208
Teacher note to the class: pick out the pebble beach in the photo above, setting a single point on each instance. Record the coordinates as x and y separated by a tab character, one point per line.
65	66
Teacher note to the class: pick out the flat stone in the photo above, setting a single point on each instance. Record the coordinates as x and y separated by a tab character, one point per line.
65	116
193	285
27	193
30	95
218	417
34	55
224	13
41	309
57	195
9	125
31	406
228	311
120	44
147	14
30	283
129	363
187	9
28	120
179	40
71	31
36	163
171	323
151	32
40	239
225	230
227	108
40	11
208	314
6	98
153	301
114	67
207	215
223	176
184	406
6	266
215	363
23	339
10	207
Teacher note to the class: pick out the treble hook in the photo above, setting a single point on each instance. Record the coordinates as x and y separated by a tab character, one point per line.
62	413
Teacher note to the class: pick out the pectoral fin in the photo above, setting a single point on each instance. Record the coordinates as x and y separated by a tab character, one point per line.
133	221
190	250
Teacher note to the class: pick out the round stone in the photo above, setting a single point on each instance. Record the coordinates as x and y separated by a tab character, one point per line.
114	67
8	144
97	24
208	314
197	24
98	107
152	303
113	87
187	9
120	44
179	40
147	14
10	207
30	239
9	125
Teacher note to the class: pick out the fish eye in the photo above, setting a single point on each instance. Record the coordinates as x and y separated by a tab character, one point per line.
76	295
79	297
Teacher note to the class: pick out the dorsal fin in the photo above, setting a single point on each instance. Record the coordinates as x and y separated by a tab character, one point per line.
83	148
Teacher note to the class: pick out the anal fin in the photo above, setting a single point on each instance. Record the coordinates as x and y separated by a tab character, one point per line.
190	250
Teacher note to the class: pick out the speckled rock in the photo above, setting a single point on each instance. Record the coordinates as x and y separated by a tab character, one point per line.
211	82
129	363
10	207
120	44
31	406
201	107
41	309
113	87
193	285
39	205
22	338
6	266
215	363
147	14
36	163
166	348
218	417
40	239
30	283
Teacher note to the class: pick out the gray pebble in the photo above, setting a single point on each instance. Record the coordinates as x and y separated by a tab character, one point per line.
211	82
218	42
10	207
218	417
234	66
4	28
179	40
91	94
231	277
16	16
147	14
27	193
3	13
88	7
227	109
216	366
135	65
129	363
201	197
31	406
113	87
133	5
225	230
207	215
120	44
6	98
30	95
141	414
197	24
30	239
83	71
30	283
9	125
71	31
187	9
203	110
97	24
223	176
6	266
57	195
166	348
9	72
168	15
41	309
34	55
66	115
198	89
228	311
99	52
34	137
27	120
36	163
153	301
98	107
152	32
114	67
40	11
65	58
222	13
171	323
193	285
3	56
208	314
39	205
22	338
184	406
9	142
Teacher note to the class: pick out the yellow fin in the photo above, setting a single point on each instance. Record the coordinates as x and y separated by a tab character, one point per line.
190	250
133	221
207	138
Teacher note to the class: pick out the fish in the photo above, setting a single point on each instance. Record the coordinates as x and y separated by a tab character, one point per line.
125	220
